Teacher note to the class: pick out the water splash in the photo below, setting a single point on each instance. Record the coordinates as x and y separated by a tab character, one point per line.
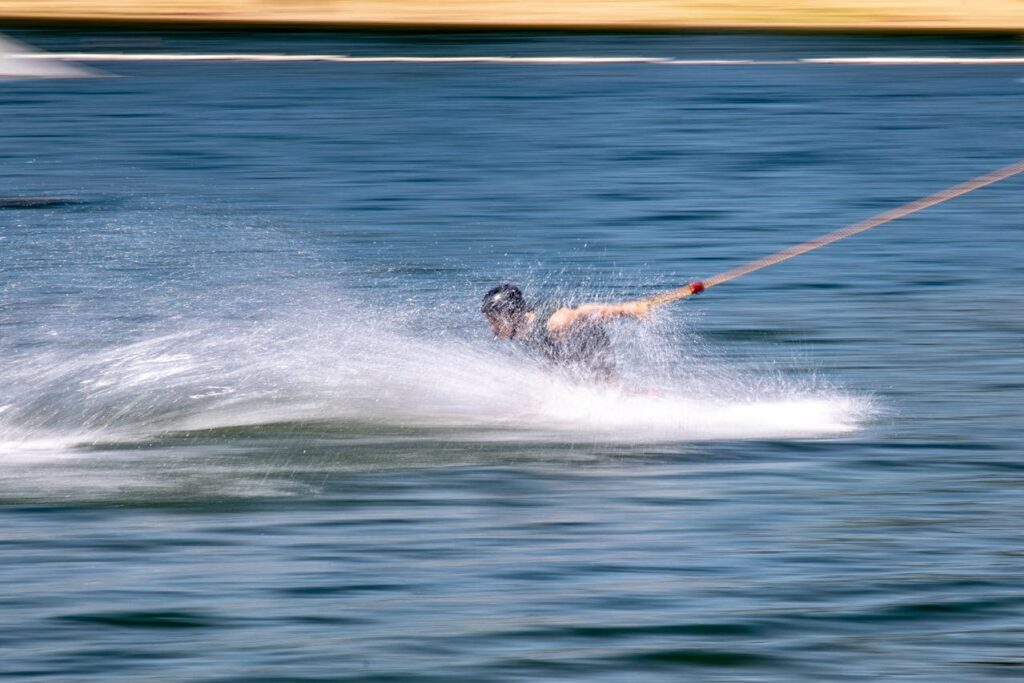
18	60
356	369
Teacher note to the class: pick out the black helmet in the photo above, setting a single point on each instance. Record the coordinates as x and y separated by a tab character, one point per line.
504	299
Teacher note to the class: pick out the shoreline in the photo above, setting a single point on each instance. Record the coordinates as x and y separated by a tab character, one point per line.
267	26
870	17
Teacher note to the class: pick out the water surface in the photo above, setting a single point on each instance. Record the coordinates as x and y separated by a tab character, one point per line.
252	426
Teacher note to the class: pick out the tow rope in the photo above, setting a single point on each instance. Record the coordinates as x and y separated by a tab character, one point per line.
963	188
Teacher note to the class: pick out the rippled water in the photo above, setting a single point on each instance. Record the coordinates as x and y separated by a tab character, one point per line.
252	427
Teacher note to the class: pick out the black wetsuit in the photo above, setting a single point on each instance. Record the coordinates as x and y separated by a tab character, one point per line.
584	351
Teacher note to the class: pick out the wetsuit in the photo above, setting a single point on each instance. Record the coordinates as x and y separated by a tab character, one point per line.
584	351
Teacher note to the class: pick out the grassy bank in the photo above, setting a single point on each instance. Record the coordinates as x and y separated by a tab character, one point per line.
809	15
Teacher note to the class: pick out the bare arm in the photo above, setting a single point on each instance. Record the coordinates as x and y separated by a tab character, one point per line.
565	318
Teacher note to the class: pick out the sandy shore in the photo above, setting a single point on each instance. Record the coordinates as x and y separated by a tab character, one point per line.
842	15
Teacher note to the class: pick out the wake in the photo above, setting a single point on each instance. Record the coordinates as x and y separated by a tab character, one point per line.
880	60
361	374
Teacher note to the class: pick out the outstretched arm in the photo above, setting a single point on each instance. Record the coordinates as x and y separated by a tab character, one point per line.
565	318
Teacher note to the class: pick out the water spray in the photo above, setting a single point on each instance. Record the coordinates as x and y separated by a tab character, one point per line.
698	286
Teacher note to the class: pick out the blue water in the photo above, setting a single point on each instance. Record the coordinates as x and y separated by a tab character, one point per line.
253	428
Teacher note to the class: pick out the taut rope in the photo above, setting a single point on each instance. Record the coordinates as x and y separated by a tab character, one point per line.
818	242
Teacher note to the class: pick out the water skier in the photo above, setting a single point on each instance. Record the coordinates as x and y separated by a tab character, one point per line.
573	339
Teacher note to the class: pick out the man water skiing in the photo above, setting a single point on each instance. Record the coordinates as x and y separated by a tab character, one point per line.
572	338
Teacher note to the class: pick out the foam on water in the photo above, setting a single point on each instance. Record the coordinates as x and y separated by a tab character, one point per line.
597	60
357	370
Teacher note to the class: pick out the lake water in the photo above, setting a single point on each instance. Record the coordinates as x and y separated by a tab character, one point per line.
254	428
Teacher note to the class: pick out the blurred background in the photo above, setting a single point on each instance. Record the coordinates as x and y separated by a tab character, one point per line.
995	15
253	426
